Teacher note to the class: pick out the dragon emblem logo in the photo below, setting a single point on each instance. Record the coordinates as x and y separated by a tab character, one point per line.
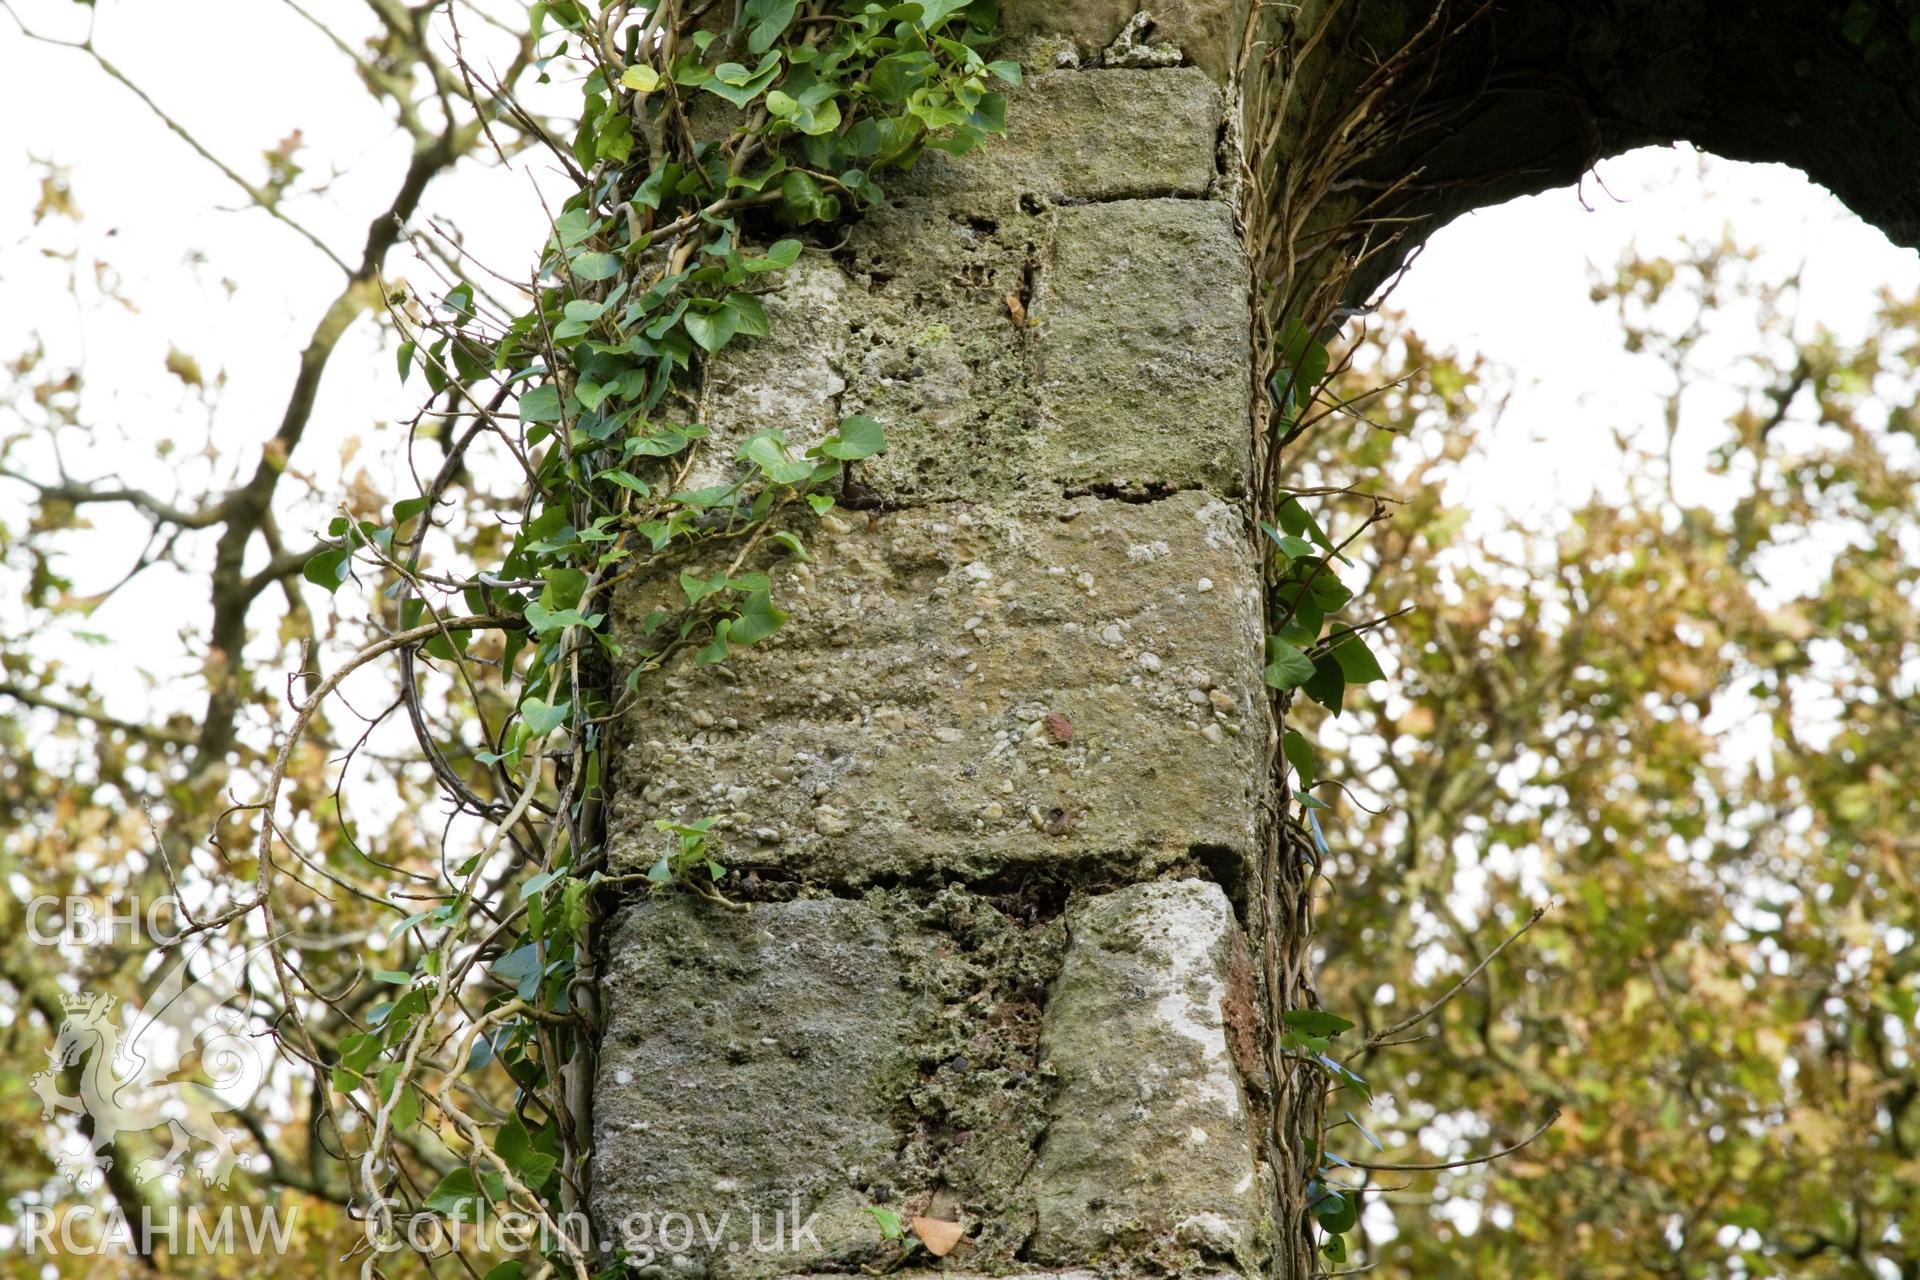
176	1062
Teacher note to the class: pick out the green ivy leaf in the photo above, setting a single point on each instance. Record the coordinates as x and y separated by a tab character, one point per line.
1356	661
707	498
328	569
779	256
591	393
1316	1022
543	621
585	309
802	201
522	1153
858	437
1328	685
540	404
1329	592
740	86
759	618
661	444
538	883
615	138
935	12
767	450
573	226
749	316
520	969
711	329
457	1197
1304	362
1287	667
766	20
1293	548
593	265
626	480
543	718
715	650
698	589
1338	1213
1299	753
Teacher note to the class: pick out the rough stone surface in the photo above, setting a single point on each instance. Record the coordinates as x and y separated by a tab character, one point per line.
1062	1086
902	725
910	325
1026	677
1143	341
1150	1145
750	1065
1030	352
824	1055
1086	135
979	1105
1208	33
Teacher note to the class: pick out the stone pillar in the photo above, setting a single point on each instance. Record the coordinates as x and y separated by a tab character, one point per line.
997	782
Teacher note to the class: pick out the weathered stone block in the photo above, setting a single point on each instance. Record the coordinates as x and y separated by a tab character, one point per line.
749	1068
1142	378
910	325
1102	345
966	689
1150	1148
1207	32
793	379
1086	135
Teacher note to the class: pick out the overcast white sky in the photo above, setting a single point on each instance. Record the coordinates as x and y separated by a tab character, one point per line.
1512	283
238	291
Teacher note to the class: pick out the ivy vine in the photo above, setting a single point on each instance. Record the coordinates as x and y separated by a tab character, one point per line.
699	139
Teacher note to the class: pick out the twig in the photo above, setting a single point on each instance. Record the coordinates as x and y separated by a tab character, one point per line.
1378	1038
1390	1167
259	195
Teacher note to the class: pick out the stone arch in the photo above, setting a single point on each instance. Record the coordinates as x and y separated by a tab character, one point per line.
1504	98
